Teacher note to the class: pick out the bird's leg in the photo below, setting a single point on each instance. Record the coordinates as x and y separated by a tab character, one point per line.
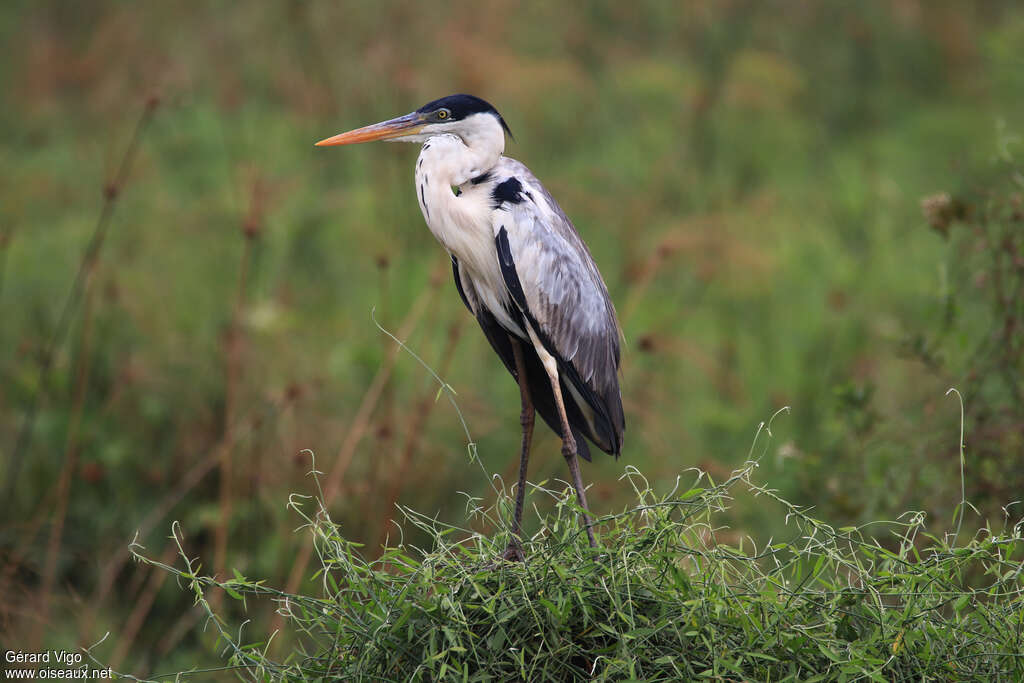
515	548
568	444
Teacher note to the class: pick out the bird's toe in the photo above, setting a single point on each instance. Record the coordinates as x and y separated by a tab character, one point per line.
514	552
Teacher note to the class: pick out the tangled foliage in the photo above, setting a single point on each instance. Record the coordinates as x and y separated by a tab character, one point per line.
663	598
979	340
894	447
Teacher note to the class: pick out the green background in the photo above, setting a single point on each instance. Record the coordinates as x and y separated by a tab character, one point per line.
748	177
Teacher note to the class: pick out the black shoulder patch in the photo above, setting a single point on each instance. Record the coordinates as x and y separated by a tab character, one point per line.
507	191
482	178
603	432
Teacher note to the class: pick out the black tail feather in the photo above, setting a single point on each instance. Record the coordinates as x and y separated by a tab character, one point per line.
540	387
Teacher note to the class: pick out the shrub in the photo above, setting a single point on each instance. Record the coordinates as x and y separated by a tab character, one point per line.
670	594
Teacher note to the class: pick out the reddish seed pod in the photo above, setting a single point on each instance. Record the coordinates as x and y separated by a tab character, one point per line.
251	229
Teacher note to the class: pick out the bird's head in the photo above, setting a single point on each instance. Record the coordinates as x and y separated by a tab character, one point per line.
465	116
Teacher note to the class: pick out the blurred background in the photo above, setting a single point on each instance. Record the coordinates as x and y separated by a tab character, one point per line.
186	284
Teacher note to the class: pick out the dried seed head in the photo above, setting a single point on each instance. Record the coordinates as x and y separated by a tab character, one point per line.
251	228
941	210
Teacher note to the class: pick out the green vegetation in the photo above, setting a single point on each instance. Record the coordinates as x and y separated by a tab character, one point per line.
664	600
749	177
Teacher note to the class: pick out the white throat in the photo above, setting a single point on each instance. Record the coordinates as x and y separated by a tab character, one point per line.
461	150
462	223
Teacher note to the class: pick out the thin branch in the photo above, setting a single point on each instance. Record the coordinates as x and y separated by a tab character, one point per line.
111	192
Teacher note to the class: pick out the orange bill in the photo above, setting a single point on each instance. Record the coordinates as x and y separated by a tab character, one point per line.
399	127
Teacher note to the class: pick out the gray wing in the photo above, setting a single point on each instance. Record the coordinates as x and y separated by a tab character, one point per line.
553	280
543	397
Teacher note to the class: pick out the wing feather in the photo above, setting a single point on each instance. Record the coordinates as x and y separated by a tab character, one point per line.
540	388
552	279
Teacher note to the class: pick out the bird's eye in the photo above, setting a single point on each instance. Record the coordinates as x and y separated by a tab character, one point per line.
443	114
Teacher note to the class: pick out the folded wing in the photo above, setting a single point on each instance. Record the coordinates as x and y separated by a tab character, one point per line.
553	281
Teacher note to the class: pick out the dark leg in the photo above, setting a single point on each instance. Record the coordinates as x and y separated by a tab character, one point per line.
569	445
515	548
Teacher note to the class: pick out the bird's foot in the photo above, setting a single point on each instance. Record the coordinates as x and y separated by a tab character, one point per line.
514	552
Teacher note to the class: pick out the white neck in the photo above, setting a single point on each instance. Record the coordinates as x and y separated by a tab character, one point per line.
450	158
465	149
484	135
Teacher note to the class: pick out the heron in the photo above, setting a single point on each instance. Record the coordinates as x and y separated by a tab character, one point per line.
524	272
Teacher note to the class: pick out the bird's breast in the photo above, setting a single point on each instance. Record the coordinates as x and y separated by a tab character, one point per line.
462	224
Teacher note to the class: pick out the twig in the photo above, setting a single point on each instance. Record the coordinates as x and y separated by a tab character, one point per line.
63	494
159	513
181	627
143	605
5	242
386	424
110	194
251	228
419	421
358	428
963	486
